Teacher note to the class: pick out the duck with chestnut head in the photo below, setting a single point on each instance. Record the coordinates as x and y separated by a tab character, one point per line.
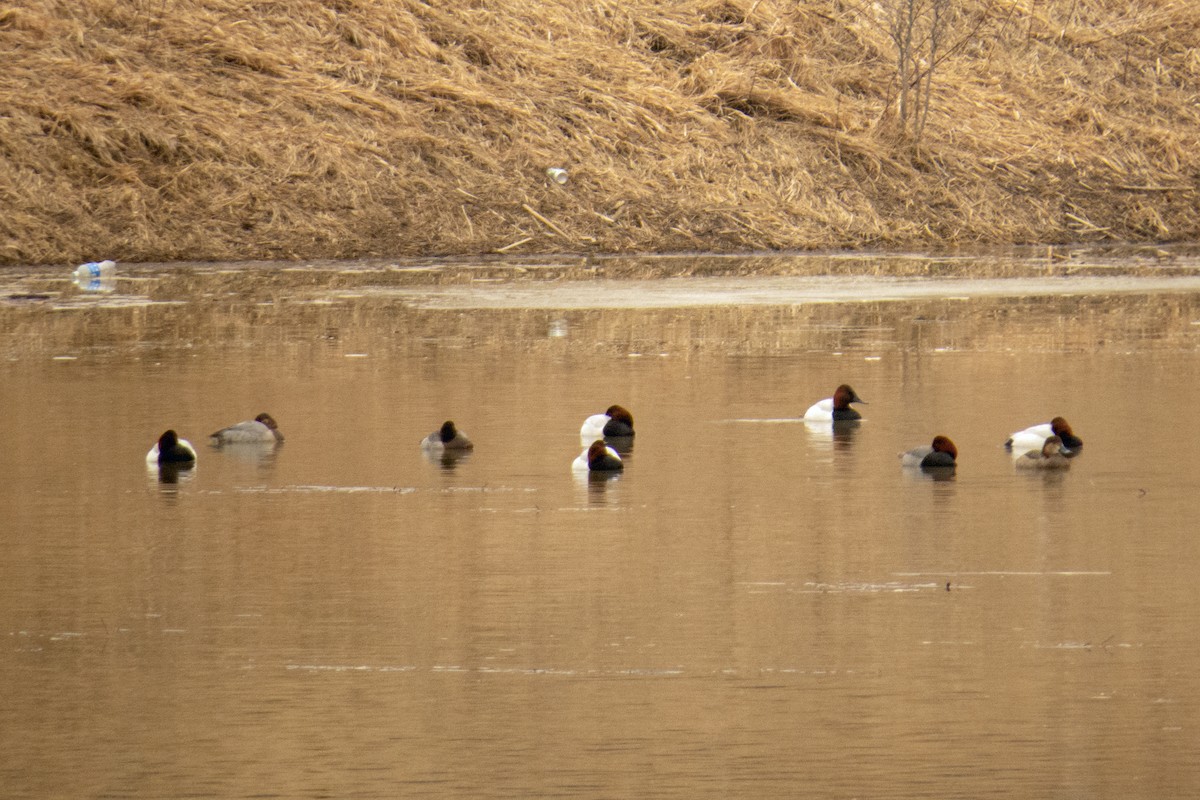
616	422
261	430
1050	456
939	454
1033	437
598	457
836	408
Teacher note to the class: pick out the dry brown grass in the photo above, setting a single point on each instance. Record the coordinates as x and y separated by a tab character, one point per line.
193	129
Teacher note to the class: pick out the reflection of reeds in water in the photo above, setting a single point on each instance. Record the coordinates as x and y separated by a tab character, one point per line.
294	310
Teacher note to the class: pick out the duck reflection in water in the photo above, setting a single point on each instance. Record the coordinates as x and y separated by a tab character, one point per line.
844	431
602	487
174	473
447	459
835	435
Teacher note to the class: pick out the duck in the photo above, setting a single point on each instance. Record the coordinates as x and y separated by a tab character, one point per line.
1033	437
170	449
261	430
599	457
1050	456
836	408
615	422
447	437
940	453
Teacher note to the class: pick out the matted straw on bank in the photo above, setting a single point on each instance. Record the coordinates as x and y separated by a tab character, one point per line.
184	129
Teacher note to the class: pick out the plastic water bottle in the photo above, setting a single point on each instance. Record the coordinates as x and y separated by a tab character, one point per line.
93	270
557	174
96	276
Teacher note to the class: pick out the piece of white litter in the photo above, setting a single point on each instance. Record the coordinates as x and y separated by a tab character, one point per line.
66	358
357	355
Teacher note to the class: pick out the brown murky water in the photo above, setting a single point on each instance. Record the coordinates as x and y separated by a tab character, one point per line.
755	608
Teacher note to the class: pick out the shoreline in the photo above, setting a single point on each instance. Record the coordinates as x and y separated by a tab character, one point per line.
648	281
